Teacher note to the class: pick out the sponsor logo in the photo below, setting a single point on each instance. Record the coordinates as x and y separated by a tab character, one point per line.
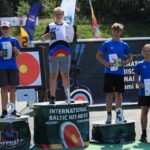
9	138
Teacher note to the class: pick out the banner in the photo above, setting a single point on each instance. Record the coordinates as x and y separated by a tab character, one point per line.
31	20
14	134
69	10
16	21
96	30
61	126
23	32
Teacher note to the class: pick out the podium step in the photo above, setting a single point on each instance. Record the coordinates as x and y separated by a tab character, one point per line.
113	133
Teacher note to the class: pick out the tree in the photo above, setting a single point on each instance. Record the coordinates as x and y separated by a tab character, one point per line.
6	9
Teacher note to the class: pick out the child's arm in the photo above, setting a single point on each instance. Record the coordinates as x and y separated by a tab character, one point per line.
128	60
45	37
136	80
99	57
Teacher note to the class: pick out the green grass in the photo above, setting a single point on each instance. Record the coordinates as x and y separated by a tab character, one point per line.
86	31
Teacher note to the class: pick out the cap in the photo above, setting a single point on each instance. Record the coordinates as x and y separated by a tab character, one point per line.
5	24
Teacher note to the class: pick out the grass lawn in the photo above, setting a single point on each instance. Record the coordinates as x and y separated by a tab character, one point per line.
86	31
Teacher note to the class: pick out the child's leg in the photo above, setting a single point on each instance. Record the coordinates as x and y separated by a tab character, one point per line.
118	99
144	113
119	112
12	91
4	97
109	98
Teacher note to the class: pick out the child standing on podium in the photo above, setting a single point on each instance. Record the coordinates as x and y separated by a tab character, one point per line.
142	70
112	55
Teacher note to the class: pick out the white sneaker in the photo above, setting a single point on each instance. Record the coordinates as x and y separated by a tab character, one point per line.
119	116
109	119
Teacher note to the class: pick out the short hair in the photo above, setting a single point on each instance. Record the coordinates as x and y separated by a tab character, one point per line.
146	46
58	9
117	26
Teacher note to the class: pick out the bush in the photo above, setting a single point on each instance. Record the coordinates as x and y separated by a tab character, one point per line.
23	8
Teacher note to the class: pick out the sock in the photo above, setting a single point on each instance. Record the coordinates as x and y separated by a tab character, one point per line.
144	133
67	91
109	113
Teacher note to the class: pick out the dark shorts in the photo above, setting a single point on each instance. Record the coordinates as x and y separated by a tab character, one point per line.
113	83
9	77
144	101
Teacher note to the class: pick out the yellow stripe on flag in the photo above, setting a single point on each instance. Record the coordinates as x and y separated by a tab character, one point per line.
23	32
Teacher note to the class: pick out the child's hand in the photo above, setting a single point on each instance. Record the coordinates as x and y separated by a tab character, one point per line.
141	85
42	38
17	51
108	64
45	37
123	63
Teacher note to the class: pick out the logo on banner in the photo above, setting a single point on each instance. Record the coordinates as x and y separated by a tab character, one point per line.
59	49
81	95
9	138
29	69
70	135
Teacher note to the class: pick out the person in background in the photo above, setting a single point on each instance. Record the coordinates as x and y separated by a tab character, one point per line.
112	55
58	32
9	74
142	70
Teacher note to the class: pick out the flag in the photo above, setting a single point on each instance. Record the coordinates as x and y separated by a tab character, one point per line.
69	10
23	32
31	20
96	30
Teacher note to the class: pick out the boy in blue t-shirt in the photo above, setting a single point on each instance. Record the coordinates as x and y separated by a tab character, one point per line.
9	74
142	70
112	55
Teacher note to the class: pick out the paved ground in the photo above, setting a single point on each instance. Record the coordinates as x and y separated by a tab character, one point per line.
130	114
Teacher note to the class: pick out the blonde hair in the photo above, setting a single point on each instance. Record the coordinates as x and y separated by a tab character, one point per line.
59	9
146	46
117	26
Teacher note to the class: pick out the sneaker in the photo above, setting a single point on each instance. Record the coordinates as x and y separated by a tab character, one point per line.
119	116
143	139
4	113
109	119
15	113
52	100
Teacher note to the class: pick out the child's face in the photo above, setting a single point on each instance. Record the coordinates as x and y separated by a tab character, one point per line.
146	52
116	32
5	30
59	15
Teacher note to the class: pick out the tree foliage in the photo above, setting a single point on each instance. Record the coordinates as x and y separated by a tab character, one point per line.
23	8
105	10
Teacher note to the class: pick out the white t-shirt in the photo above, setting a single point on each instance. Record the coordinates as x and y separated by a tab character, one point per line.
63	32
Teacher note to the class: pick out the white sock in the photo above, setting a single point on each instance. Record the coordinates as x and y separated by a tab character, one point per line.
67	91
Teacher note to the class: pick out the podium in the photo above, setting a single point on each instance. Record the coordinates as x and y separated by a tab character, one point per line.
15	133
61	125
113	133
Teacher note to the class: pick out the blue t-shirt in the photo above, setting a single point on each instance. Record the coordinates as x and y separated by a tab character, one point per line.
143	70
112	48
6	44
